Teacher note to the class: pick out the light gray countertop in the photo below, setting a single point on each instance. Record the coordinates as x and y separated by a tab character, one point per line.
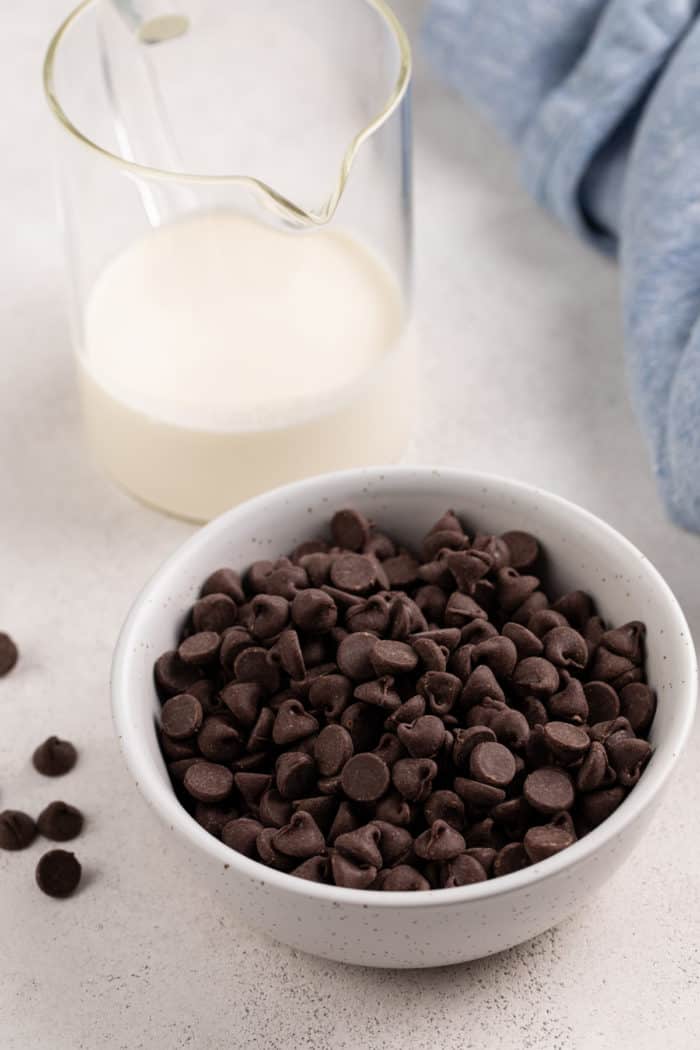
523	374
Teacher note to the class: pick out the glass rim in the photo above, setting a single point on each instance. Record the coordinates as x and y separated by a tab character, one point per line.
168	175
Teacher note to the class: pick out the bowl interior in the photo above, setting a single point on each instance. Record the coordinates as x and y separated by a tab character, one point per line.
582	552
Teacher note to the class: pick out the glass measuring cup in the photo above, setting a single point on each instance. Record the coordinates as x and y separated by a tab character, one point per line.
235	193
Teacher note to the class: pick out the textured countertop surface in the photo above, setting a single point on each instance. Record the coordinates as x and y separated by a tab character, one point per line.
523	374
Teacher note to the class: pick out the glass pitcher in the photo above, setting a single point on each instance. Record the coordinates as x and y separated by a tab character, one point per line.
235	192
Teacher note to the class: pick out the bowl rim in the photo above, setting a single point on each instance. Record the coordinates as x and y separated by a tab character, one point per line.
161	798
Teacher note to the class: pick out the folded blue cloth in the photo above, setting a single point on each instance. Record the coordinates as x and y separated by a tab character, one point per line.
602	100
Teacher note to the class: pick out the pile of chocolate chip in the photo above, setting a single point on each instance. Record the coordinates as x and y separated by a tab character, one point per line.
366	716
58	871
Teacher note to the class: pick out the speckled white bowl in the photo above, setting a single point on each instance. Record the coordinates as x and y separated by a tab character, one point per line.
441	926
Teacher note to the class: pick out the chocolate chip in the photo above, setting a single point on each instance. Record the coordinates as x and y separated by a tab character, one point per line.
354	656
608	666
511	858
251	787
467	568
353	573
390	657
273	810
492	764
286	580
294	772
444	805
413	778
317	567
568	743
462	870
534	710
354	876
511	728
209	781
214	818
172	675
461	609
380	693
350	529
8	654
54	757
17	830
577	607
224	581
332	749
569	704
243	699
181	716
594	772
365	777
252	665
214	613
402	570
331	693
465	740
476	795
315	869
431	600
268	852
200	649
628	755
292	723
306	548
638	705
218	741
241	834
523	614
395	843
536	676
596	806
525	642
363	722
361	845
261	733
545	620
513	589
439	842
627	641
58	873
524	550
394	809
233	641
485	855
323	809
480	685
441	691
565	647
301	837
314	610
407	712
422	738
60	822
404	879
549	790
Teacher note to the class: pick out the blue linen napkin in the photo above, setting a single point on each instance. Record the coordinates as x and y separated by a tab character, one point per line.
601	98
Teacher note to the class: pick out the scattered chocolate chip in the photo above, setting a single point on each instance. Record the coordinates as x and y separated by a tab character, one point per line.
439	842
17	830
350	529
214	818
60	822
524	550
492	764
54	757
9	654
58	873
200	649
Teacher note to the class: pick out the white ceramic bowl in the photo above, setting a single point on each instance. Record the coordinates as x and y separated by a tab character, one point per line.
441	926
